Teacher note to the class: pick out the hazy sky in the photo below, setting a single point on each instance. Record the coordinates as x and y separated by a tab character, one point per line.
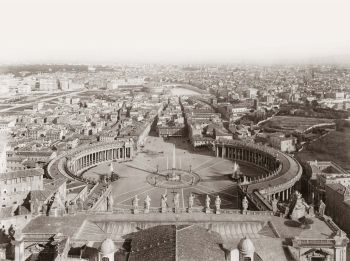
173	31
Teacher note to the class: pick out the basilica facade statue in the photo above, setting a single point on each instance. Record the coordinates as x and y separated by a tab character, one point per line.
217	204
245	204
190	201
207	204
147	204
135	204
164	200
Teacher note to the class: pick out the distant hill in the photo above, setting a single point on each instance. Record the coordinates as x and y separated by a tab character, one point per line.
41	68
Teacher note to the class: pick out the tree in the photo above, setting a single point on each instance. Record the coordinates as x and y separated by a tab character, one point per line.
314	104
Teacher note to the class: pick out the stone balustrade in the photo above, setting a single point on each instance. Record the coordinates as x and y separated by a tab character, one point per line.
154	210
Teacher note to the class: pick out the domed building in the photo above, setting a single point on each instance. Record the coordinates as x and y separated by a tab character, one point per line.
246	250
107	250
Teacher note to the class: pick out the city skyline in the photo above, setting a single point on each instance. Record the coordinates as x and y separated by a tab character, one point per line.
162	130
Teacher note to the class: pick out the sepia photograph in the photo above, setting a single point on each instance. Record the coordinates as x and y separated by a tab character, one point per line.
174	130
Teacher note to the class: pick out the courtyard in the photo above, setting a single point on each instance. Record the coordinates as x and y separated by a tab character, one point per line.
215	175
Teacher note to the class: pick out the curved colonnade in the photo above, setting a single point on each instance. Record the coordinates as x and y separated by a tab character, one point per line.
280	171
73	162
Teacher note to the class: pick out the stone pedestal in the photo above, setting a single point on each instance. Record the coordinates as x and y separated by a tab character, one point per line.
207	210
19	249
217	211
136	211
163	210
177	210
189	210
146	211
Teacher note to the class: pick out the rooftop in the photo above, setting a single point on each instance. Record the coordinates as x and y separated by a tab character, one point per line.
21	174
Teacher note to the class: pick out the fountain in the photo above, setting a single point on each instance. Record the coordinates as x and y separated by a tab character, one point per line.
112	175
172	177
236	172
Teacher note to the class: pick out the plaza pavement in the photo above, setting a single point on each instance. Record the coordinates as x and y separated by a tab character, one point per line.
214	172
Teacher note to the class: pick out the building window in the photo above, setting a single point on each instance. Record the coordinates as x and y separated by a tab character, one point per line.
105	259
247	259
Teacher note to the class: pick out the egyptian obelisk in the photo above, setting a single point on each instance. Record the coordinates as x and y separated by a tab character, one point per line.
174	161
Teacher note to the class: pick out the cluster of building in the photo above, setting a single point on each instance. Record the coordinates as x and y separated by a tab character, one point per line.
46	142
330	183
33	137
205	125
171	121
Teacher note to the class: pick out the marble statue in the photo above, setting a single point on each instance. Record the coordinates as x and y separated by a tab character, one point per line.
321	208
147	204
245	204
176	201
274	204
207	204
299	207
217	204
164	202
135	204
190	201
